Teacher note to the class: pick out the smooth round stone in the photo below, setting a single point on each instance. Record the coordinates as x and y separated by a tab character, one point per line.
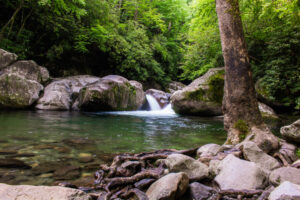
48	175
85	157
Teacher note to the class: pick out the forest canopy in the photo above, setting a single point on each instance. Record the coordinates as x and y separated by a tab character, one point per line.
154	41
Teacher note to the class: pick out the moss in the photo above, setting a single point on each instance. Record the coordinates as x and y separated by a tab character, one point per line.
132	90
13	93
197	95
216	87
242	127
234	10
262	90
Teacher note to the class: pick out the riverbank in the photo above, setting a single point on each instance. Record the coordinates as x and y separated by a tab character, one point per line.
212	171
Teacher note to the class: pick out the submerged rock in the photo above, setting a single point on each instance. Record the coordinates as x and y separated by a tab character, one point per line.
111	93
85	157
291	132
76	142
13	163
182	163
161	97
282	174
203	96
6	58
286	191
67	172
171	187
62	93
46	167
7	152
27	192
240	174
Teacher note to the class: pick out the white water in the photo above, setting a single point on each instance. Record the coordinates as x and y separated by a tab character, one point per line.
155	111
152	102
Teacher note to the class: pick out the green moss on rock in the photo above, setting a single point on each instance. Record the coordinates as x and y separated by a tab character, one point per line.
243	128
197	95
216	87
17	93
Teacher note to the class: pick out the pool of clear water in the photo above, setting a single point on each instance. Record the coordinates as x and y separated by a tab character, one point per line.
40	138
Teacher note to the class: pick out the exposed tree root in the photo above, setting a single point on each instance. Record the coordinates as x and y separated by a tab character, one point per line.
280	157
129	174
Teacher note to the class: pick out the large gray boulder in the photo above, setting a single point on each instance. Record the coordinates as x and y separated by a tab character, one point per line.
253	153
161	97
240	174
6	58
62	93
286	191
28	192
291	132
111	93
29	70
21	84
203	96
282	174
182	163
171	187
139	92
174	86
18	93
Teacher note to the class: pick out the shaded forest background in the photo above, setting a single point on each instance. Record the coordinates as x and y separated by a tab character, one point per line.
154	41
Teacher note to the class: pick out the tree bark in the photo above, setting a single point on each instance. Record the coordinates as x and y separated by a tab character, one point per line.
242	117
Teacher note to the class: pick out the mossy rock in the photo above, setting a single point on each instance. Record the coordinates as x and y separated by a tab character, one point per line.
111	93
203	97
18	93
62	93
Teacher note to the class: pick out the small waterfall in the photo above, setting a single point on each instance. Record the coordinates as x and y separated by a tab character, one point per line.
155	110
152	102
154	106
168	109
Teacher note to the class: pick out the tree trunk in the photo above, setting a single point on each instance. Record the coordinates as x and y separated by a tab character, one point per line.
241	114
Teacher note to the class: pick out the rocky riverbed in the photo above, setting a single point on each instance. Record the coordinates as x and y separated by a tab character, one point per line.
212	171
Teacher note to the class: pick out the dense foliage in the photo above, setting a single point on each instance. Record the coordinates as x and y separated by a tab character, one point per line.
154	40
139	39
272	31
